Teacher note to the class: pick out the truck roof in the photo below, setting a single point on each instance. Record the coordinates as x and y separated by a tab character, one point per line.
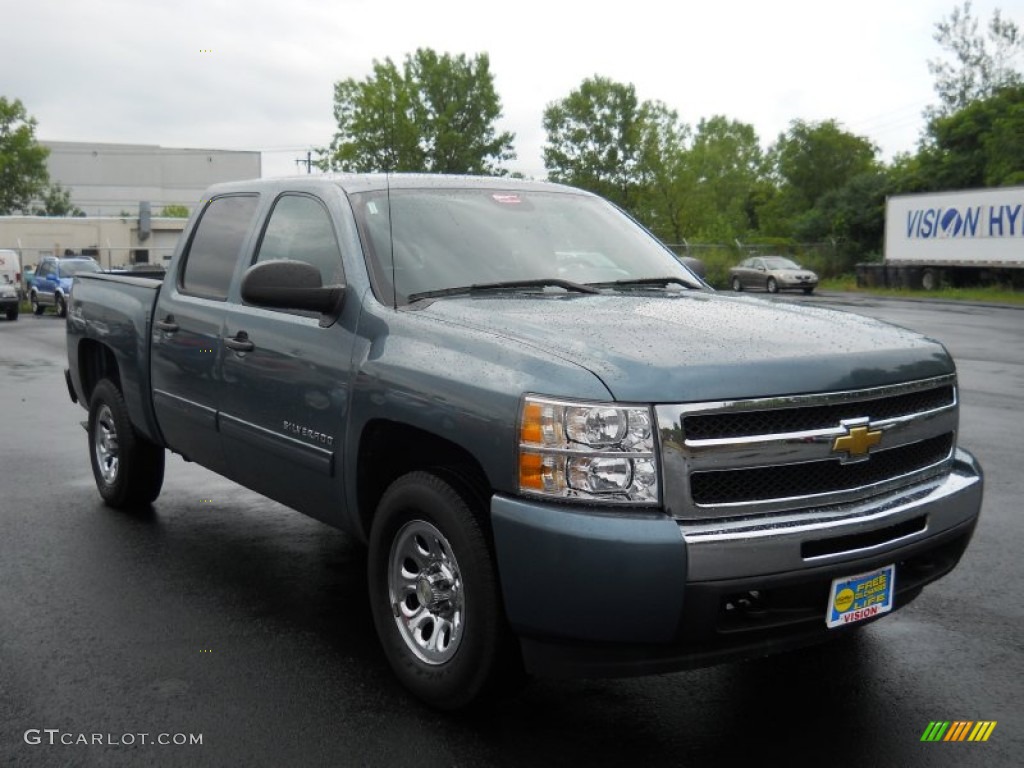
375	182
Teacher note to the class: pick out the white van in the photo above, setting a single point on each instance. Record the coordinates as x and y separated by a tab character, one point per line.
10	283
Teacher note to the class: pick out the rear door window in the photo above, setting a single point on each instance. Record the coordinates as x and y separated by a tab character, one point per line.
214	251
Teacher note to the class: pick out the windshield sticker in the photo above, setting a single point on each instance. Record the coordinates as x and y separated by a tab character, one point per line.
507	199
372	208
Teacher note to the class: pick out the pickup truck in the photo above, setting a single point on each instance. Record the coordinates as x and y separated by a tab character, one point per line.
566	455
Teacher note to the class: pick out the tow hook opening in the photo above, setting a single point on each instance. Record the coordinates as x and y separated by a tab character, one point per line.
750	604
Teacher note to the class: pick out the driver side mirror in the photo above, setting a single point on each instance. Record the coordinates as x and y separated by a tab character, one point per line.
290	285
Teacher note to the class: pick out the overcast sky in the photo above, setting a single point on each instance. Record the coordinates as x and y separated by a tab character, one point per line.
259	75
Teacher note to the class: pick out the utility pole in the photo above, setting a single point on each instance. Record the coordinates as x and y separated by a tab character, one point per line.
308	162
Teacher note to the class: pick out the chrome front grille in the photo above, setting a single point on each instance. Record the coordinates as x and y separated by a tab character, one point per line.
700	426
735	458
816	477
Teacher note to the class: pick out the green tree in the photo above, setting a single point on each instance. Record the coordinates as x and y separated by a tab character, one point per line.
809	161
680	183
1004	144
727	162
175	211
981	145
436	114
23	174
594	138
664	182
815	158
697	185
981	63
853	216
56	201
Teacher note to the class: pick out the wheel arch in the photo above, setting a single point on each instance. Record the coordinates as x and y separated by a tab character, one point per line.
96	361
389	449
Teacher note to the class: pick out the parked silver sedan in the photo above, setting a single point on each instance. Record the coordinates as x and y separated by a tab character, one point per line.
773	273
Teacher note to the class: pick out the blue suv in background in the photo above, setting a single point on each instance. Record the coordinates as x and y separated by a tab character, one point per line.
51	283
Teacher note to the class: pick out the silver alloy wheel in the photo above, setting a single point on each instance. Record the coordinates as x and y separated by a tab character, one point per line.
426	592
106	446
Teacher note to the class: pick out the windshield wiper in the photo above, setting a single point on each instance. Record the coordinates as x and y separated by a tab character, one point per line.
543	282
644	282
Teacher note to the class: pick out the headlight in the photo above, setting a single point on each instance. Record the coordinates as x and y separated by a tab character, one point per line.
593	451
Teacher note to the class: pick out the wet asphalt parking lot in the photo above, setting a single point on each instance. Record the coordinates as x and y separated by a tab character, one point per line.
225	616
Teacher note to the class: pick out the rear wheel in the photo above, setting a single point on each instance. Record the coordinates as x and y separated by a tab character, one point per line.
128	468
37	308
12	314
773	286
434	593
736	284
60	304
929	280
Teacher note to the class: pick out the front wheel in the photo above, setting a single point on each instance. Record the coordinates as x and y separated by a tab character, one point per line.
773	286
61	305
128	469
737	285
808	291
37	308
434	593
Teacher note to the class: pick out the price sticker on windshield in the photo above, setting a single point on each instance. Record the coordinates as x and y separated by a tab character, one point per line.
506	199
860	597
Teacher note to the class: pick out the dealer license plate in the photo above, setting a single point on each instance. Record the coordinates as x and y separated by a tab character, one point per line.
860	597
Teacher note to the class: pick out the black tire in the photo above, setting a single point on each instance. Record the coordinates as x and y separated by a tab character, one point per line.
772	285
12	314
60	304
808	291
425	535
37	308
128	468
737	284
929	280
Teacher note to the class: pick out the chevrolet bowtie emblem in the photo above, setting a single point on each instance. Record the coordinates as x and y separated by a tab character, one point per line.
857	443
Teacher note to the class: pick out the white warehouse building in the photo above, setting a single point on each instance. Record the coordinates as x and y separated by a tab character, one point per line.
112	179
111	183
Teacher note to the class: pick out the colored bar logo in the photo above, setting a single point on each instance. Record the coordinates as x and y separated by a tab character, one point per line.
958	730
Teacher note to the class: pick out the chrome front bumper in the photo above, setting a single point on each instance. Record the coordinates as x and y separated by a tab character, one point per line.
601	592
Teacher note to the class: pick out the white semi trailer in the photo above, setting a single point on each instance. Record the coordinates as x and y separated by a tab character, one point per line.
958	237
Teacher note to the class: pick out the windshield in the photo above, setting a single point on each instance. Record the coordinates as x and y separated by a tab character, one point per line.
68	268
777	262
450	238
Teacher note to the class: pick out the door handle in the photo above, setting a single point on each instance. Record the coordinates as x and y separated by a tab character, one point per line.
240	342
167	325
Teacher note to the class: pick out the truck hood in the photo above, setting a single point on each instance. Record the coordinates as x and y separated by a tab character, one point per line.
698	346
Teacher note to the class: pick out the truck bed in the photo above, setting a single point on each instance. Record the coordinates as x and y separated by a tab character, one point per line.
120	314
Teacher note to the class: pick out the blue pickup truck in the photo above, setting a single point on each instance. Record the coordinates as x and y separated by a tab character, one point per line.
566	454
